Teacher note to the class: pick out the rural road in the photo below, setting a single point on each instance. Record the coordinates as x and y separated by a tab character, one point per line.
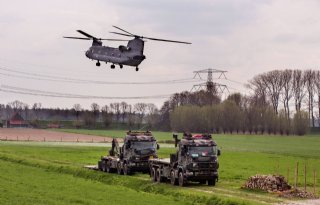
304	202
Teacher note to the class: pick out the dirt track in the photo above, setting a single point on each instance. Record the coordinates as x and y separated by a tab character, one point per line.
22	134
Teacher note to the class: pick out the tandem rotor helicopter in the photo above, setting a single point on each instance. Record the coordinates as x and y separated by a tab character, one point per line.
130	55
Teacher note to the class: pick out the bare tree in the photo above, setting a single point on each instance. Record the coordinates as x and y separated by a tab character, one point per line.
317	84
309	78
116	110
95	108
17	105
273	83
141	110
298	88
287	90
77	109
153	114
124	107
36	107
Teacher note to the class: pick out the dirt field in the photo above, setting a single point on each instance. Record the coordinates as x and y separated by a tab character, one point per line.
22	134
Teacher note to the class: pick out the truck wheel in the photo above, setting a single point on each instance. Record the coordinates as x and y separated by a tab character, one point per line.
103	167
173	179
153	175
211	182
119	170
182	181
108	169
158	176
126	169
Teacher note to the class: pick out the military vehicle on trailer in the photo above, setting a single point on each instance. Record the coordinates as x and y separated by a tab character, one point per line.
196	160
133	156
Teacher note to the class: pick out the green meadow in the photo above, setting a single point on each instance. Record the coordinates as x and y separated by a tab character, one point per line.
40	173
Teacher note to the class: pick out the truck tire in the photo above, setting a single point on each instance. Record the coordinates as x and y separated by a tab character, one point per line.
182	180
108	168
173	179
126	169
211	182
103	166
158	176
119	170
153	175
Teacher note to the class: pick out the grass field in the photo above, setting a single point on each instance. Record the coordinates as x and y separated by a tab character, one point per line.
51	172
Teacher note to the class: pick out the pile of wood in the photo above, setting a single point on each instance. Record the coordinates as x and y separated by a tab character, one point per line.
272	183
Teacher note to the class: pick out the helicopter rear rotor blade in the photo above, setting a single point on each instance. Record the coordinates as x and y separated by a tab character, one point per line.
123	30
122	34
165	40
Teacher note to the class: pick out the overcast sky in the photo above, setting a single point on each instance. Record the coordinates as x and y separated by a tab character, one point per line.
244	37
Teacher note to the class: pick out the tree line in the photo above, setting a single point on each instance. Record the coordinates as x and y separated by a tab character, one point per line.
280	101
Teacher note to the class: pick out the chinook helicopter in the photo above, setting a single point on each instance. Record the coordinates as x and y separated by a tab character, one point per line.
129	55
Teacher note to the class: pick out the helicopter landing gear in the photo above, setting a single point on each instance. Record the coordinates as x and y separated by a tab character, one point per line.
137	69
98	63
112	66
121	66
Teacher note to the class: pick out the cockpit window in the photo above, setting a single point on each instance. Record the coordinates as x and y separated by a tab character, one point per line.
143	145
202	151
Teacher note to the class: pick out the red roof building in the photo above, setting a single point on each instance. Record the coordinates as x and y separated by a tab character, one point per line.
17	121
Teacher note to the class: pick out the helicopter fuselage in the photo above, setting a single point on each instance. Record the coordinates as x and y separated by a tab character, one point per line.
120	56
130	55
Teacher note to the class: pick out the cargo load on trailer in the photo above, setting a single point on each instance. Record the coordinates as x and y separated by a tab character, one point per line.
196	160
132	156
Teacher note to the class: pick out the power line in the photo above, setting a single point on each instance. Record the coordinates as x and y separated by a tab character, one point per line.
25	91
36	76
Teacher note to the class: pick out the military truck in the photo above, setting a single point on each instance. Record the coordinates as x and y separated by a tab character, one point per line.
196	160
133	156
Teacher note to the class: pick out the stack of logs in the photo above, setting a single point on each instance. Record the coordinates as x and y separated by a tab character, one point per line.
272	183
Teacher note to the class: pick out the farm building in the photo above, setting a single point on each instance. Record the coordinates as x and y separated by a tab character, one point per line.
17	121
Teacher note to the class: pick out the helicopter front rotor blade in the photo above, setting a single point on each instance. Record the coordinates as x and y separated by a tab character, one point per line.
111	39
86	34
80	38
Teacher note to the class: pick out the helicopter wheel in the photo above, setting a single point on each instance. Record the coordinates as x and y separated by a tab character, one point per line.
121	66
112	66
98	63
137	69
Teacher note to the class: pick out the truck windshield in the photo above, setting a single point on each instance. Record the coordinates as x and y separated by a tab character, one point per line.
202	151
143	145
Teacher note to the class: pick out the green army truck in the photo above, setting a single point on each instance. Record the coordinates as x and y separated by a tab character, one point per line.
196	160
132	156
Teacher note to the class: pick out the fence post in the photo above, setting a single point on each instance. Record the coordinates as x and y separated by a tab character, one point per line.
314	181
296	175
288	174
305	177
